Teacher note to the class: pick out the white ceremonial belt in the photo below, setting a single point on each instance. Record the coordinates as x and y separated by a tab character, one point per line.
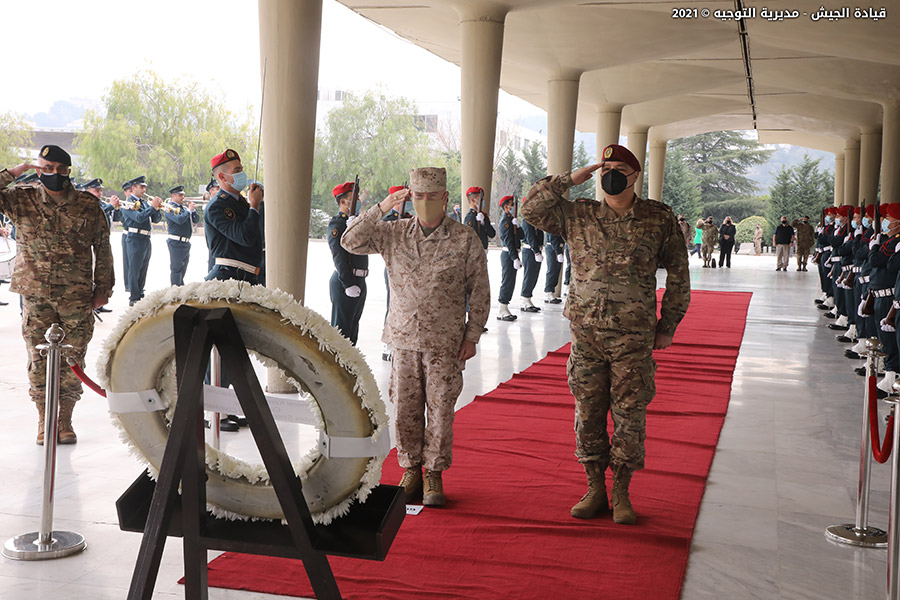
526	246
846	268
140	231
857	269
827	248
864	279
360	272
835	259
230	262
883	293
178	238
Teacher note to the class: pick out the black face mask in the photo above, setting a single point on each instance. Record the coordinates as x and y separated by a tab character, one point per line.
54	182
784	222
614	182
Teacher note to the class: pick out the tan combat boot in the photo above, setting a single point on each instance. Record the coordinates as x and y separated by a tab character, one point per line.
623	513
595	502
434	489
412	482
40	434
66	433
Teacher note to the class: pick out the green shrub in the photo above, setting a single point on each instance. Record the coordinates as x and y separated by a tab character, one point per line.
747	227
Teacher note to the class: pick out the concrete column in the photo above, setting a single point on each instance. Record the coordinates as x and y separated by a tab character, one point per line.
637	143
890	153
563	107
656	169
851	173
869	166
609	123
482	50
838	179
289	36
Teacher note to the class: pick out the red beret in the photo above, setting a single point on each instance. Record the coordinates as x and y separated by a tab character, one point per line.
620	153
858	210
870	211
891	210
844	210
227	156
505	199
340	190
831	210
393	188
474	190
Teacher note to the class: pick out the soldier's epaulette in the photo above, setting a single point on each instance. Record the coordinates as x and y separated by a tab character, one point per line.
657	205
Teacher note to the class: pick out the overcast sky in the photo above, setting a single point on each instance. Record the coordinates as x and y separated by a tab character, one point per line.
74	50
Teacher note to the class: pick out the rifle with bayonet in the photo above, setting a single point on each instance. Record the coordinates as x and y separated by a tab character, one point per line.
850	276
403	204
868	308
354	198
817	256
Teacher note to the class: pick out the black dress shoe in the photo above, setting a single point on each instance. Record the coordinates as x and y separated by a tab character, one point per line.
240	421
104	309
829	315
817	301
881	393
3	303
837	327
227	424
507	318
530	309
553	301
843	339
852	355
484	330
861	371
823	307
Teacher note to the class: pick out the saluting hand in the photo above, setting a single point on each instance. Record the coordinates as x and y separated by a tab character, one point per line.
255	195
393	201
19	169
581	175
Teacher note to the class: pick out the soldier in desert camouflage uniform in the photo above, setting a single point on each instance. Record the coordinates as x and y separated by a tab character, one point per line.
433	264
65	270
806	239
617	245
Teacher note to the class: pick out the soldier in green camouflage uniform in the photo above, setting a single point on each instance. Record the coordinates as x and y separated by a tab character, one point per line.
64	270
617	245
806	239
710	237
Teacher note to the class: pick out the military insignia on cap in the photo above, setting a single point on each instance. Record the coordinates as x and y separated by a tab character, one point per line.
46	151
229	214
608	152
334	232
229	154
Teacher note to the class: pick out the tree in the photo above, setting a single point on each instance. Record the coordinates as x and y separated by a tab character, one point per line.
14	135
373	136
580	159
166	130
738	209
746	229
509	178
534	166
720	161
681	189
800	191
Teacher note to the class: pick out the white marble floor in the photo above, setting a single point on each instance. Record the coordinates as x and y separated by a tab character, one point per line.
785	468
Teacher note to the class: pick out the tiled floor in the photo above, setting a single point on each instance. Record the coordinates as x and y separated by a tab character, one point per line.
786	466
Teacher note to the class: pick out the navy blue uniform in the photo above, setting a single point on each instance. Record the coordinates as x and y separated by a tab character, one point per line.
108	210
180	226
841	252
349	270
823	243
882	282
485	231
234	238
510	237
864	325
534	244
137	222
553	252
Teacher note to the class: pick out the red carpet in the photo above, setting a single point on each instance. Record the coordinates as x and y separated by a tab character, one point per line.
506	532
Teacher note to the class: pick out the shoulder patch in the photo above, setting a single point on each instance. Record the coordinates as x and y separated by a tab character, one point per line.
334	232
229	214
506	225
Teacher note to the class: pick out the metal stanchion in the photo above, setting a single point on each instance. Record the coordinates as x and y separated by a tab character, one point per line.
893	576
215	378
860	533
47	543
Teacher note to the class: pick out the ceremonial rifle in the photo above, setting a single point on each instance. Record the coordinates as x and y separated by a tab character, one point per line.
850	278
403	204
354	199
480	209
868	308
817	257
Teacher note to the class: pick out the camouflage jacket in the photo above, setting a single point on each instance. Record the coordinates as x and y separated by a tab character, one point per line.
62	242
430	278
806	235
687	231
615	259
710	233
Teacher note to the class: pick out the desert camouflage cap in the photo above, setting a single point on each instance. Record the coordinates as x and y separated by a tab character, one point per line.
428	179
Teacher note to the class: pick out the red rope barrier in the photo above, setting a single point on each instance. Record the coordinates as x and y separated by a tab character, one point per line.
880	451
79	372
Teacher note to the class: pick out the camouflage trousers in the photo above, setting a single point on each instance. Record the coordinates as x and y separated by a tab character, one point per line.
77	321
706	250
424	384
803	255
611	372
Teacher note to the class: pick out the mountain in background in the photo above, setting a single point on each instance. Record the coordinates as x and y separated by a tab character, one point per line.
64	113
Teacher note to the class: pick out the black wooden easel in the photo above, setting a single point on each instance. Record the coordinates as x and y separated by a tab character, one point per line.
366	532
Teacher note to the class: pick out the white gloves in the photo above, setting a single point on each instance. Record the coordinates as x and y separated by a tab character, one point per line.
517	264
350	220
353	291
819	229
875	241
860	307
515	222
560	257
538	257
886	327
480	217
848	238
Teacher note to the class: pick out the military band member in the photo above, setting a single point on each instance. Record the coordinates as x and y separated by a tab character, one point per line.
510	236
617	245
434	265
348	282
64	270
180	221
138	214
532	257
212	189
392	215
555	252
477	219
95	188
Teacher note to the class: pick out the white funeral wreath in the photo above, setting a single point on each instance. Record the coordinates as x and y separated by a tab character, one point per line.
342	393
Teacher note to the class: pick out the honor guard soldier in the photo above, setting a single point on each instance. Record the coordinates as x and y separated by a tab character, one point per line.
392	215
555	251
532	256
865	324
180	221
476	218
510	236
348	282
883	281
137	217
64	270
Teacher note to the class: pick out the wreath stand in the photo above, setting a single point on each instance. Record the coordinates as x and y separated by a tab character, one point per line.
366	532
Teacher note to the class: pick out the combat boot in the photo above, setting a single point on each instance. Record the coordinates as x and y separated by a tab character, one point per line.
412	482
623	513
595	502
66	433
40	434
434	489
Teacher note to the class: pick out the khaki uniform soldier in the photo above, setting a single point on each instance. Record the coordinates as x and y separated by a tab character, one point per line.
757	239
433	264
65	270
806	239
710	237
617	245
